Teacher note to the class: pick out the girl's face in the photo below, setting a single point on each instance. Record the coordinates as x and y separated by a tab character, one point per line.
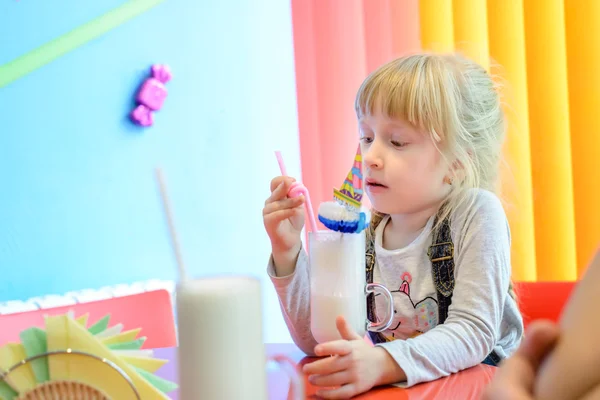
404	171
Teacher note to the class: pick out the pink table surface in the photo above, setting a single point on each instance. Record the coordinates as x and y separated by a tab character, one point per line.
465	385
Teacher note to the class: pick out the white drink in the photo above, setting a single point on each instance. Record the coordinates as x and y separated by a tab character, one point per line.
327	308
337	268
221	350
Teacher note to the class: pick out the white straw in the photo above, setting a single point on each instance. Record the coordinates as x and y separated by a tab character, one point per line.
173	233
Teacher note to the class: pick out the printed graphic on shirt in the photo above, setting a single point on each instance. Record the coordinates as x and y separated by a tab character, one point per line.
411	319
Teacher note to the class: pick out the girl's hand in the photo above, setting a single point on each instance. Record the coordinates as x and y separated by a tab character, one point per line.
354	366
283	217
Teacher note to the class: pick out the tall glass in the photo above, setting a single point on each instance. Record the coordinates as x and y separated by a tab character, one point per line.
338	285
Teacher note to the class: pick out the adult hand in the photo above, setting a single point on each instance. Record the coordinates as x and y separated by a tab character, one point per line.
516	376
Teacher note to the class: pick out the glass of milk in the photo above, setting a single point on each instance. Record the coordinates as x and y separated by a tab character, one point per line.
338	285
221	349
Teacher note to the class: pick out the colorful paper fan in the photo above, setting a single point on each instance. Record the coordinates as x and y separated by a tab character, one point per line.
67	370
344	213
63	391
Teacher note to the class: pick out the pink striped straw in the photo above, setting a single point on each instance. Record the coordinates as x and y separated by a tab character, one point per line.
298	189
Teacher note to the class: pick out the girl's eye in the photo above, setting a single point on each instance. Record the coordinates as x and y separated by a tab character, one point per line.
366	139
398	144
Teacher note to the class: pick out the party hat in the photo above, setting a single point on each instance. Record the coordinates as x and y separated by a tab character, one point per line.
344	213
351	192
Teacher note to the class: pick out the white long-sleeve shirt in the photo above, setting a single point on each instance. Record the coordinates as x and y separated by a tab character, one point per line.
482	317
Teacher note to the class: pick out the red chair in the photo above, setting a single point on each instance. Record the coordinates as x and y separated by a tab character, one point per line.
542	300
151	311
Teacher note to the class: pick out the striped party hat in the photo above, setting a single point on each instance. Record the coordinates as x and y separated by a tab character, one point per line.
344	213
351	192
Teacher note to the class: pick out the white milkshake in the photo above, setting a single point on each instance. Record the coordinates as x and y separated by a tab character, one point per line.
327	308
337	268
221	350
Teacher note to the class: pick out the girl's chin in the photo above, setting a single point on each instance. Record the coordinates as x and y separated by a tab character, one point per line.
381	208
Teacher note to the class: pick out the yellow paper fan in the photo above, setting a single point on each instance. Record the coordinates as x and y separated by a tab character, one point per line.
126	336
82	320
64	333
146	363
63	391
69	358
21	379
67	389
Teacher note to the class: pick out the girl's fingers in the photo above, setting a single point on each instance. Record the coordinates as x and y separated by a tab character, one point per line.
327	366
274	218
285	204
335	379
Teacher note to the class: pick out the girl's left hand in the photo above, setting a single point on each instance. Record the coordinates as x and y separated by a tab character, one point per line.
354	366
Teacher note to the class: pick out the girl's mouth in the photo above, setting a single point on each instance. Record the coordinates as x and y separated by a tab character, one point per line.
373	183
375	187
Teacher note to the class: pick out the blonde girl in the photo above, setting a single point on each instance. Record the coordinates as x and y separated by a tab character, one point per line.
431	129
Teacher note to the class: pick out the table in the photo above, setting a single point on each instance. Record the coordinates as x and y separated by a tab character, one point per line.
465	385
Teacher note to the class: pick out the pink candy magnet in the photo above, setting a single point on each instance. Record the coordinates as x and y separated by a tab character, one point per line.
151	96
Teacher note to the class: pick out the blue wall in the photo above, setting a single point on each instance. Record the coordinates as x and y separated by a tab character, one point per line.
79	206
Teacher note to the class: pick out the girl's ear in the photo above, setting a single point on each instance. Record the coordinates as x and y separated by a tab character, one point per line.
455	171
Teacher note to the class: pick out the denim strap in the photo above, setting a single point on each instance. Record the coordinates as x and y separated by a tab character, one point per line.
441	255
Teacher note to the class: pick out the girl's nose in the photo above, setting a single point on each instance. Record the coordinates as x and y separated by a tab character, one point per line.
371	158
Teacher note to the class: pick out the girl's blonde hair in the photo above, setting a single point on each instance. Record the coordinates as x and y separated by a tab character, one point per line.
457	103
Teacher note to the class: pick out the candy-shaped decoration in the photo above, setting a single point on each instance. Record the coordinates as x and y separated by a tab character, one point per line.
142	115
151	95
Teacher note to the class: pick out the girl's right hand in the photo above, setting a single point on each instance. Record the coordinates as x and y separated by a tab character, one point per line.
283	217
